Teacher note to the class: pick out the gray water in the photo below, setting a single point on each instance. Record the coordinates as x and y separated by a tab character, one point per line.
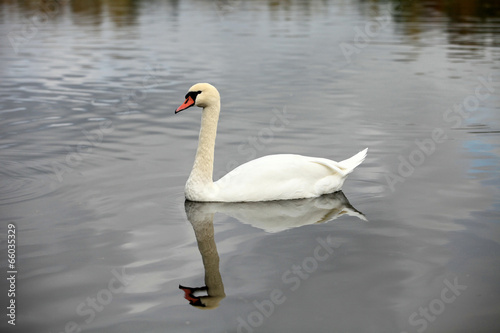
93	164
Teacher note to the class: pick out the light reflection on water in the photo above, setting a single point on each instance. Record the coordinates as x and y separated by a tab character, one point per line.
93	161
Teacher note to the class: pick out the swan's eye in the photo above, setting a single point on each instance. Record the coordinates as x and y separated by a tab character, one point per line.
192	94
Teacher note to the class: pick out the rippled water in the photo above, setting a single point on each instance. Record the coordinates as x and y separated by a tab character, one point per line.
93	165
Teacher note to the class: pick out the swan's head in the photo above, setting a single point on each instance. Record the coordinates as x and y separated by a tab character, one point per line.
201	95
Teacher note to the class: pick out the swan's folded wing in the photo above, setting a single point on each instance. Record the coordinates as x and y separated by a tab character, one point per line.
273	177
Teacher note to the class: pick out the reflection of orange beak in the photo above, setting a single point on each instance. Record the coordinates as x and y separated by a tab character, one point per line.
189	295
188	103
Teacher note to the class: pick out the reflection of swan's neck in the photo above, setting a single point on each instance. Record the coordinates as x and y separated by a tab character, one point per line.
204	232
204	161
201	217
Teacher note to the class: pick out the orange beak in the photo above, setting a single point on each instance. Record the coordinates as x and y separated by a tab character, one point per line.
187	104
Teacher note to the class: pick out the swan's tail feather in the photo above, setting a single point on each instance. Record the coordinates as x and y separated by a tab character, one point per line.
349	164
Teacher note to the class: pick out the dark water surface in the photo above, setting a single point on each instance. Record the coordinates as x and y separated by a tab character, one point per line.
93	164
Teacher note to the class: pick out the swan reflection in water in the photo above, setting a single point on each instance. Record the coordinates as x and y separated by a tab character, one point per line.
271	216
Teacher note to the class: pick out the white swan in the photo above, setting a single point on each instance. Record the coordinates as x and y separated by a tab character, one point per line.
273	177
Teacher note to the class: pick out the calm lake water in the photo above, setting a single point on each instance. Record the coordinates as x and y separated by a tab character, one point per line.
93	165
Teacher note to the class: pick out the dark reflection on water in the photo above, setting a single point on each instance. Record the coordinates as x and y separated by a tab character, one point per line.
93	164
470	25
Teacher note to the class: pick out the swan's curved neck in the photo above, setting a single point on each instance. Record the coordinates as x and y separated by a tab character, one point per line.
203	167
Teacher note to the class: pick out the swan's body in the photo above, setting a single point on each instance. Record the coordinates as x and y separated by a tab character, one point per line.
273	177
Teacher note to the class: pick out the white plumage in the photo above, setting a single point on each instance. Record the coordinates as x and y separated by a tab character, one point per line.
273	177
